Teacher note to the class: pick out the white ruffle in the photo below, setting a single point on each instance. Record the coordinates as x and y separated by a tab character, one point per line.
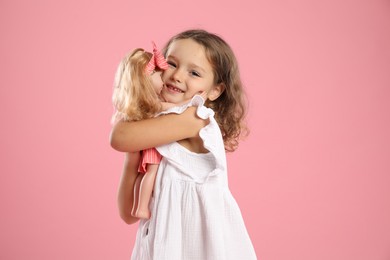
197	101
210	134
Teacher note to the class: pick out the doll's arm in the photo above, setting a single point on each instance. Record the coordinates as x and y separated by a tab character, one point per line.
126	184
139	135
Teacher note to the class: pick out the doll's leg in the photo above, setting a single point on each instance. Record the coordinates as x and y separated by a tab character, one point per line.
145	191
137	185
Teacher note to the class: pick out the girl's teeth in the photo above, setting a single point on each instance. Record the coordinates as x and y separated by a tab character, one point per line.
175	89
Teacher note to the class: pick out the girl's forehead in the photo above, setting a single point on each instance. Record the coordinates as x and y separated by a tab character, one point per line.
186	47
187	50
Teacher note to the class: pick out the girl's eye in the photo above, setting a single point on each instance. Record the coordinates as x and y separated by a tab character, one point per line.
195	73
171	63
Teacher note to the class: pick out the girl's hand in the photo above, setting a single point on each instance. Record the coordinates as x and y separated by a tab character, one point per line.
167	105
203	95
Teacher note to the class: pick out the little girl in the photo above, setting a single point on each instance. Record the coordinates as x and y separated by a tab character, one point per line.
137	87
194	215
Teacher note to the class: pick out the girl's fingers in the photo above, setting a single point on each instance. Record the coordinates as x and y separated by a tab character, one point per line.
203	95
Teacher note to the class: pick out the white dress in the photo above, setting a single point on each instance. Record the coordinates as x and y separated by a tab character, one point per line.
194	215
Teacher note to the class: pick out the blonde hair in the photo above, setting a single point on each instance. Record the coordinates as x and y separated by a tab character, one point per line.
134	97
230	107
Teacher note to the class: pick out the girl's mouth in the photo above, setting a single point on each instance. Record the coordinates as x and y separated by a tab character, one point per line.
173	89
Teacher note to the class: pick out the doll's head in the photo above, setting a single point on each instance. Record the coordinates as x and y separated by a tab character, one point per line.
136	88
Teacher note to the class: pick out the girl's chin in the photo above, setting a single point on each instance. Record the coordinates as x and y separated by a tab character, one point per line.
172	98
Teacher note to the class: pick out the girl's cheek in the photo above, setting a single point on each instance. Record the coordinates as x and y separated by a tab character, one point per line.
165	74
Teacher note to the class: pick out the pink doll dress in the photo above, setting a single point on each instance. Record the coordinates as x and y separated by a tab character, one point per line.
149	156
194	215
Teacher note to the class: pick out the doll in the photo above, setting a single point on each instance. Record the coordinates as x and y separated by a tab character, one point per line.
137	86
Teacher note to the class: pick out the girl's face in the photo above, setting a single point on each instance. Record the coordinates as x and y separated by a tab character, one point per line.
189	73
157	81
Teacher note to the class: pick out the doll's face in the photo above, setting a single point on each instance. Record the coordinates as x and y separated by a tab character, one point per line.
157	81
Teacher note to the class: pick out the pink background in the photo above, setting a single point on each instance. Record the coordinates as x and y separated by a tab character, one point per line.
312	179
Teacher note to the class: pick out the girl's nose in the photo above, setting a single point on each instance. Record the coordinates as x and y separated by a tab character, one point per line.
177	76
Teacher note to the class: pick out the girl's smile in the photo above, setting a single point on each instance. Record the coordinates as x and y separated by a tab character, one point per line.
173	89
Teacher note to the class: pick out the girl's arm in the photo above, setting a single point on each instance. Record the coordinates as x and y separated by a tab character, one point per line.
139	135
126	186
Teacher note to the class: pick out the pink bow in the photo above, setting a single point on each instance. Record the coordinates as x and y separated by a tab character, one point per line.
157	60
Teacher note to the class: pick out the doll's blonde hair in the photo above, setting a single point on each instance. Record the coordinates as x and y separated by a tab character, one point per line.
134	96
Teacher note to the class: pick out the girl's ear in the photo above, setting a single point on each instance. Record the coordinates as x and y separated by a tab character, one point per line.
215	92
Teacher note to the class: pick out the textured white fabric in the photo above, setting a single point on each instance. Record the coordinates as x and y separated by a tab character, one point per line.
194	215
